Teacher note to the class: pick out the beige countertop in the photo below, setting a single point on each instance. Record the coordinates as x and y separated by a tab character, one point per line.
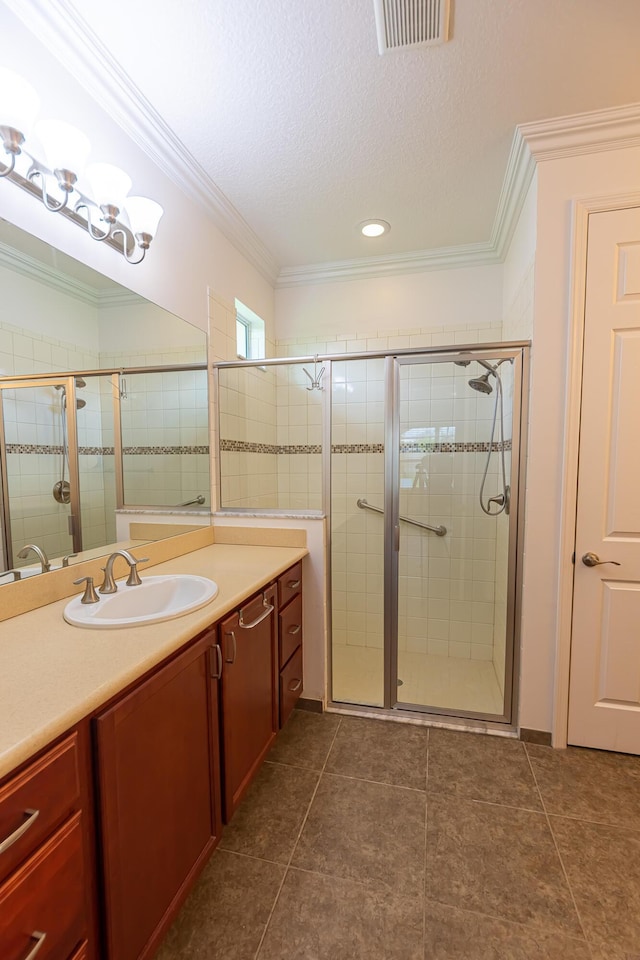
53	674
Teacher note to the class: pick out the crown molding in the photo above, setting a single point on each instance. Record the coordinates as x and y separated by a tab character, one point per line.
28	266
612	129
58	25
417	261
34	269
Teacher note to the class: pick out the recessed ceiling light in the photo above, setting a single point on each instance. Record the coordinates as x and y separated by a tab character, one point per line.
373	228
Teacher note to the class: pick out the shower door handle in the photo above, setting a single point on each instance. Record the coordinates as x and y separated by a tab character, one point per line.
396	537
593	560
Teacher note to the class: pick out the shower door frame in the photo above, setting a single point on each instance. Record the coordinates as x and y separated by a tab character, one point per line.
75	519
519	351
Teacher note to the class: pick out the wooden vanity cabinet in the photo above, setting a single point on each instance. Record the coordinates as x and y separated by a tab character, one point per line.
159	797
289	640
47	893
248	693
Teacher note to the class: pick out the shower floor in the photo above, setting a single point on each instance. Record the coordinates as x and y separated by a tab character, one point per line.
428	680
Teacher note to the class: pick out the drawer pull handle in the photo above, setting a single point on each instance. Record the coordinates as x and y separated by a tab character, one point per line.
39	938
294	629
231	659
268	609
9	841
218	652
293	584
294	685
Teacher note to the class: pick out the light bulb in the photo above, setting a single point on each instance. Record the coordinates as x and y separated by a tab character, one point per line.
144	215
374	228
19	102
65	147
109	185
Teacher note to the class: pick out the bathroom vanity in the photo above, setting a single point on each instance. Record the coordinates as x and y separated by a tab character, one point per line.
113	797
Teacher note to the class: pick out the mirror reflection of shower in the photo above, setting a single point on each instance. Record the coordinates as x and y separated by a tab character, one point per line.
492	506
62	487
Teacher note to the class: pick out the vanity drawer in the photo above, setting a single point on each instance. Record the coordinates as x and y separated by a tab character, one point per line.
36	801
45	900
290	685
289	584
290	632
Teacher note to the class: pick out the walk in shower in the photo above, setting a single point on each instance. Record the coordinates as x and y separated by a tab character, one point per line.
415	458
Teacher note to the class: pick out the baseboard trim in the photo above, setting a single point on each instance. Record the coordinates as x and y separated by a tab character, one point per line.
311	706
541	737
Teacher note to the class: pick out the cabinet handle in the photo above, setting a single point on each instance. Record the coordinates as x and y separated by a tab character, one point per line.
293	584
294	629
268	608
22	829
294	685
39	937
218	652
235	648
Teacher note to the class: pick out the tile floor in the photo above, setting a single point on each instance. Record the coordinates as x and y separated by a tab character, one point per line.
458	684
372	840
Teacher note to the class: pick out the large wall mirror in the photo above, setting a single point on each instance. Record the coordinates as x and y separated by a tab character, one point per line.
103	411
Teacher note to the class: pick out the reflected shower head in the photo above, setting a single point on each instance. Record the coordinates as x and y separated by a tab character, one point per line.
481	384
80	403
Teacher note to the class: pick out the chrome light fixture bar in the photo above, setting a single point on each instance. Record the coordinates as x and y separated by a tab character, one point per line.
104	210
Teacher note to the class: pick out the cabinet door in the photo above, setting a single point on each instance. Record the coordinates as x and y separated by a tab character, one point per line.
249	697
158	798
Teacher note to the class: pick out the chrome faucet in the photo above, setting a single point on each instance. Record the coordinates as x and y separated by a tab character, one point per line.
41	555
133	580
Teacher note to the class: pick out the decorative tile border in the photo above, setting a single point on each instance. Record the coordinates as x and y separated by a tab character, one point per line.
50	449
418	446
245	446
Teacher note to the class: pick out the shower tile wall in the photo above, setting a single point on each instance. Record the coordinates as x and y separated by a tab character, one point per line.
248	432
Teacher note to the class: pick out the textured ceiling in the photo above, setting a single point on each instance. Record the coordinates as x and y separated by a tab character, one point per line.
307	130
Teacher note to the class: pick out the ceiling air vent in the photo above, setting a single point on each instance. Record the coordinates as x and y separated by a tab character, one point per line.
404	23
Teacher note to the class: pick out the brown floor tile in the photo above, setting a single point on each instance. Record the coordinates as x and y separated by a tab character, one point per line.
382	751
366	831
476	767
306	739
497	860
226	912
323	918
589	784
267	822
603	867
452	934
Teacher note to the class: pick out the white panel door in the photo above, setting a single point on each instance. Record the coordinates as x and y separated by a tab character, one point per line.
604	698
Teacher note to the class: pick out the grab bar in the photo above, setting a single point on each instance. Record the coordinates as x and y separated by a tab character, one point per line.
199	499
439	531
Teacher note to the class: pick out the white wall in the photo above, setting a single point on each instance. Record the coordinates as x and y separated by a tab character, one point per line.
360	309
607	173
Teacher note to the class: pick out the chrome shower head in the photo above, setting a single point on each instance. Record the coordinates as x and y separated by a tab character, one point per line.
481	384
81	382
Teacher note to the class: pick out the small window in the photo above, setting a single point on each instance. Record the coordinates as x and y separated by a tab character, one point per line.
250	340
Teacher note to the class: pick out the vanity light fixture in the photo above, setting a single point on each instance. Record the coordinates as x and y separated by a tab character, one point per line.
373	228
105	211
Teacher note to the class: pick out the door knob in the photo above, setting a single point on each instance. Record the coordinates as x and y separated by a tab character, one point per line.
593	560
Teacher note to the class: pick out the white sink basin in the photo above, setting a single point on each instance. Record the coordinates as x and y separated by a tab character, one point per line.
154	600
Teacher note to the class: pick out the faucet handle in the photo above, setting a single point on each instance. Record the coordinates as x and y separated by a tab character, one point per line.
89	595
133	580
65	560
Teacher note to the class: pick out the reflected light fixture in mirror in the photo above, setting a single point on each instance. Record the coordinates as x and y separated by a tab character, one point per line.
129	224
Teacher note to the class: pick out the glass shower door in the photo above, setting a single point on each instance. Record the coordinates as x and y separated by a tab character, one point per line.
39	470
357	534
453	434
